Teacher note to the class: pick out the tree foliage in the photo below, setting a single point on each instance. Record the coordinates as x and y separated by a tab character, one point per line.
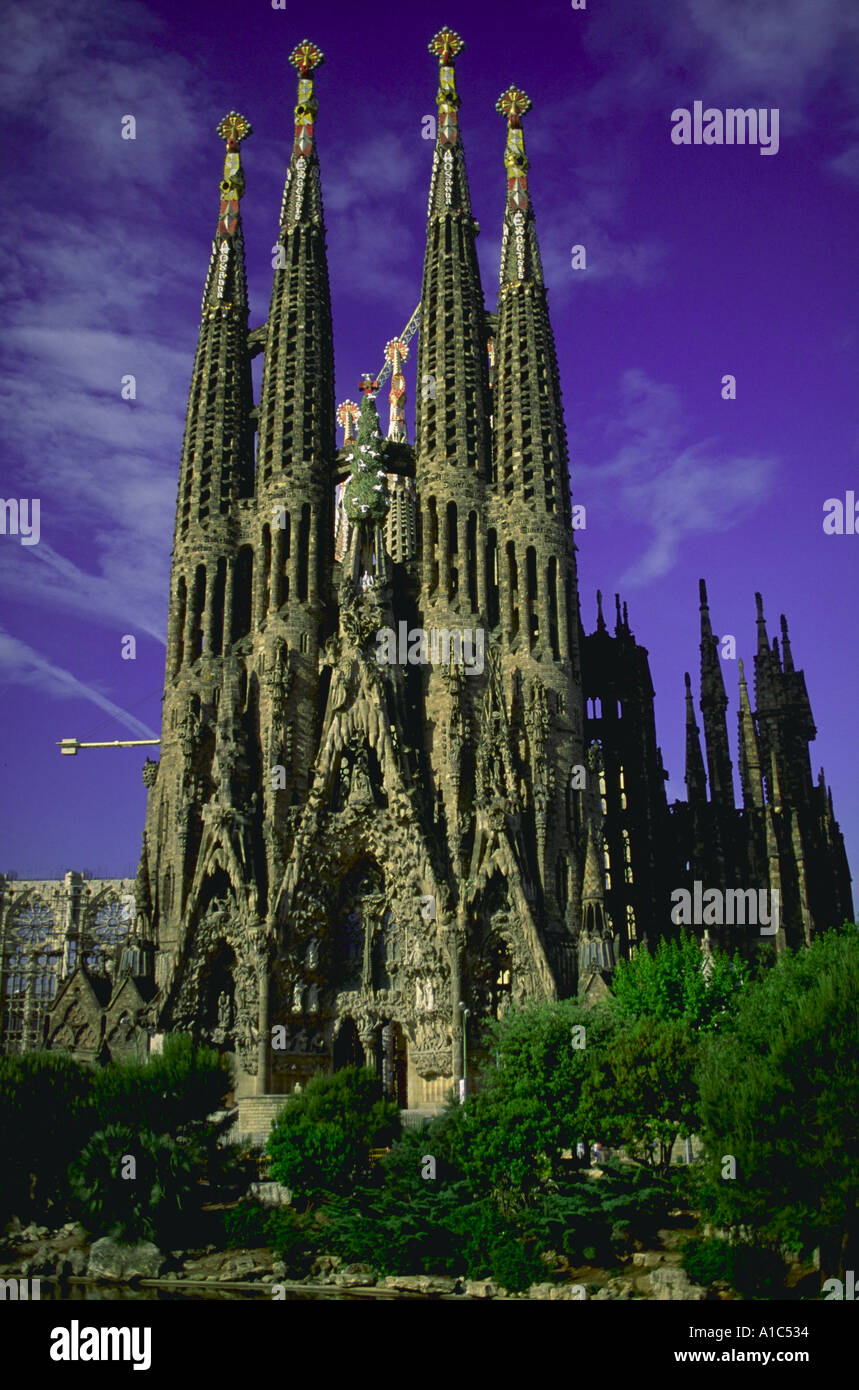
640	1090
670	984
322	1138
780	1093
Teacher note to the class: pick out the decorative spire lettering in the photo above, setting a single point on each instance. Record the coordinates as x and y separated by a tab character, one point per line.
234	128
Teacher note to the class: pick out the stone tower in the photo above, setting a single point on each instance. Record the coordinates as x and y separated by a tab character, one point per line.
399	786
368	815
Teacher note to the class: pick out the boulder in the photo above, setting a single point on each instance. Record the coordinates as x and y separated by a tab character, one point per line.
648	1259
356	1276
575	1293
419	1283
671	1284
481	1288
109	1260
270	1194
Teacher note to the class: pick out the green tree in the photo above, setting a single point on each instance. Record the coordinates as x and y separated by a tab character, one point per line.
780	1095
45	1117
321	1140
143	1201
640	1090
670	983
514	1133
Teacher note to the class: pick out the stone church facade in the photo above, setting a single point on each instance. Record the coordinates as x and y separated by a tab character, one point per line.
358	848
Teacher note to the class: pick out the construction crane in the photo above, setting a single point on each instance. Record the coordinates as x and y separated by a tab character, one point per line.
406	336
72	745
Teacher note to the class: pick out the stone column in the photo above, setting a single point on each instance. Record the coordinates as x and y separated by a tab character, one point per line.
209	619
264	1038
276	586
229	586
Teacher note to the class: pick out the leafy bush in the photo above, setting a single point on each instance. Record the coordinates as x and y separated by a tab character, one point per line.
146	1206
293	1237
321	1140
168	1094
756	1272
599	1220
45	1117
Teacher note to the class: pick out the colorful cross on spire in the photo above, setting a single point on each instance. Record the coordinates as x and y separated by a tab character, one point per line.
234	128
445	45
514	104
305	57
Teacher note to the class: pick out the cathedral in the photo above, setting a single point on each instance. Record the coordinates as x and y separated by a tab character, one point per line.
399	787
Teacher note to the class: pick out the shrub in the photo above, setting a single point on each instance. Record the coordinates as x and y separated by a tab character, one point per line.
756	1272
147	1206
321	1140
169	1094
293	1237
45	1117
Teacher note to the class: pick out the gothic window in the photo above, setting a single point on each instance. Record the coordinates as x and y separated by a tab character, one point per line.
603	794
303	550
630	921
607	865
352	950
385	954
109	929
32	964
627	857
622	786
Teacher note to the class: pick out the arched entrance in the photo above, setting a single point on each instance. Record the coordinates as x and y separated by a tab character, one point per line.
392	1062
348	1051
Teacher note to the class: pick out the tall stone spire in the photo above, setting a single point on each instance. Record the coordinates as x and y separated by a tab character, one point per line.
531	490
296	451
714	703
696	778
750	758
217	458
452	411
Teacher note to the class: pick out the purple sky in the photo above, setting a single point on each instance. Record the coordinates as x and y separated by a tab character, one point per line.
701	261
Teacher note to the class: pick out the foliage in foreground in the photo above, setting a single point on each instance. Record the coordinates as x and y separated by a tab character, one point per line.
321	1140
145	1204
780	1095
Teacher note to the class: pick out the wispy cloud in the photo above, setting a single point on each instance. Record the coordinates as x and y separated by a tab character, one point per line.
675	488
21	665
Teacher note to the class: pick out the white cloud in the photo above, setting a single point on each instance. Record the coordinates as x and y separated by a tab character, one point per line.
24	666
673	488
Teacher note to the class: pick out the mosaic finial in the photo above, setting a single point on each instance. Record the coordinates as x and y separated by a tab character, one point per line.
397	352
445	45
234	128
305	57
514	104
347	417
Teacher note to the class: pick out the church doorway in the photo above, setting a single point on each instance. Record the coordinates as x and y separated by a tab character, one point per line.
348	1051
392	1063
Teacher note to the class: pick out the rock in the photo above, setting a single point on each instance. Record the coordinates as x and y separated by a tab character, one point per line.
77	1261
356	1276
324	1268
671	1284
42	1261
481	1288
278	1269
270	1194
419	1283
110	1260
648	1259
554	1292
